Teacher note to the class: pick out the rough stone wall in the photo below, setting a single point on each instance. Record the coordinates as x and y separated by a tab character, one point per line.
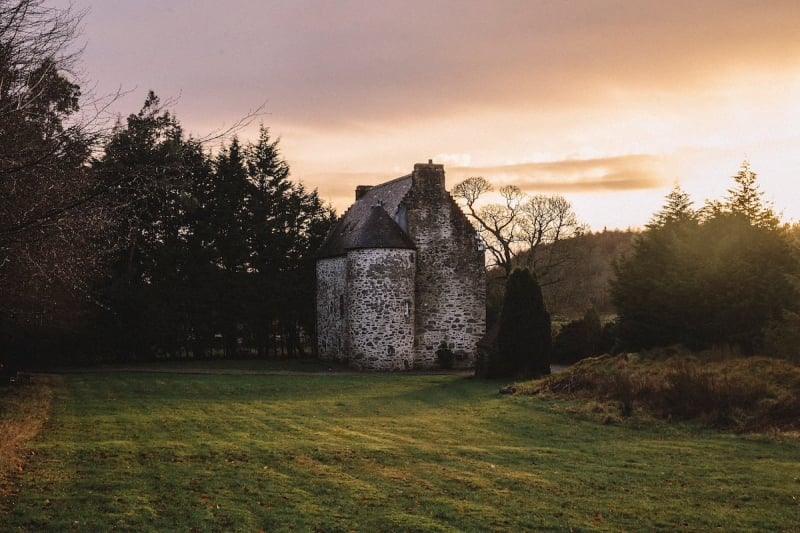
380	308
451	279
331	309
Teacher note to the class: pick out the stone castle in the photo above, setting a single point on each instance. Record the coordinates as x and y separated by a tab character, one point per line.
401	276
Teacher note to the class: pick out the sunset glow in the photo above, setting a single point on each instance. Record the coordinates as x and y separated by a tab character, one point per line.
608	103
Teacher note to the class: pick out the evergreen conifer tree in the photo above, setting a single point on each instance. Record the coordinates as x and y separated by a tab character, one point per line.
524	340
745	199
677	208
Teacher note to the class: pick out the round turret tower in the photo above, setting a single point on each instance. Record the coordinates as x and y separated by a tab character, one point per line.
380	296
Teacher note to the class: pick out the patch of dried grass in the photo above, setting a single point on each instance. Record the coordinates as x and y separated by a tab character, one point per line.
24	410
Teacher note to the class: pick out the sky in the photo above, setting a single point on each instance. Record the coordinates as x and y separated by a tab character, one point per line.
608	103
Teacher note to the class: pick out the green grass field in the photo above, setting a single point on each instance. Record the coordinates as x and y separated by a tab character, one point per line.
176	452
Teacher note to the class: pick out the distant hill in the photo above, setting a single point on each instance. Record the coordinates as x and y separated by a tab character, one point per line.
579	278
583	280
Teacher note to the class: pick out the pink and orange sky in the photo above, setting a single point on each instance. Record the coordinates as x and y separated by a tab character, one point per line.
607	102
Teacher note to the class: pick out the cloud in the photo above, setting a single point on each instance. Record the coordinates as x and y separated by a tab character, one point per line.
366	62
373	87
628	173
620	173
455	159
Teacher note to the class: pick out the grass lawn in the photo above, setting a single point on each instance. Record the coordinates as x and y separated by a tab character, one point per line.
177	452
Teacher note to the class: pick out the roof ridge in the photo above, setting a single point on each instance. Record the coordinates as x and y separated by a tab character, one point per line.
391	181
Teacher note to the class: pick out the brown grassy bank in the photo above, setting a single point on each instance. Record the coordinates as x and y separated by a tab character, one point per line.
25	408
743	394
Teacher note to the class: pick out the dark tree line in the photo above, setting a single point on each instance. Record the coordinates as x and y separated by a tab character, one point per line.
135	241
217	251
723	275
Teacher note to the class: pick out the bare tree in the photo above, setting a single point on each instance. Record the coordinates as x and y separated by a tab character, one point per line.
50	220
519	229
547	221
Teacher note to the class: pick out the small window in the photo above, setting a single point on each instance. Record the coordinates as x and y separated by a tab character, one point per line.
401	217
481	244
407	308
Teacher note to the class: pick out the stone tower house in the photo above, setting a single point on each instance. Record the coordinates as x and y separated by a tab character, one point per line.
400	273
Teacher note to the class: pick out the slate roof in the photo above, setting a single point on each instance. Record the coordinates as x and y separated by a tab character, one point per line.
361	226
380	231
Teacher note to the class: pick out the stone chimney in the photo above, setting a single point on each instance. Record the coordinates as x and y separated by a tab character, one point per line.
428	177
361	190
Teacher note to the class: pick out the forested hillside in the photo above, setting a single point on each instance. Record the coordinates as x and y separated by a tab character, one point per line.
579	280
582	281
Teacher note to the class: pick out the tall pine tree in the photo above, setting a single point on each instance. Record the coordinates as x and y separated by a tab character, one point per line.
144	167
745	199
677	208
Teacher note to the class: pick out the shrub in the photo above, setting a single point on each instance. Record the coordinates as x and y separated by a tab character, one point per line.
582	338
782	337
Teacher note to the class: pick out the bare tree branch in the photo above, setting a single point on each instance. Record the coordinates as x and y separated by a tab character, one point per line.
521	229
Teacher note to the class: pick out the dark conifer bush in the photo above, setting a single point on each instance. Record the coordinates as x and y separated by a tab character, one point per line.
524	340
